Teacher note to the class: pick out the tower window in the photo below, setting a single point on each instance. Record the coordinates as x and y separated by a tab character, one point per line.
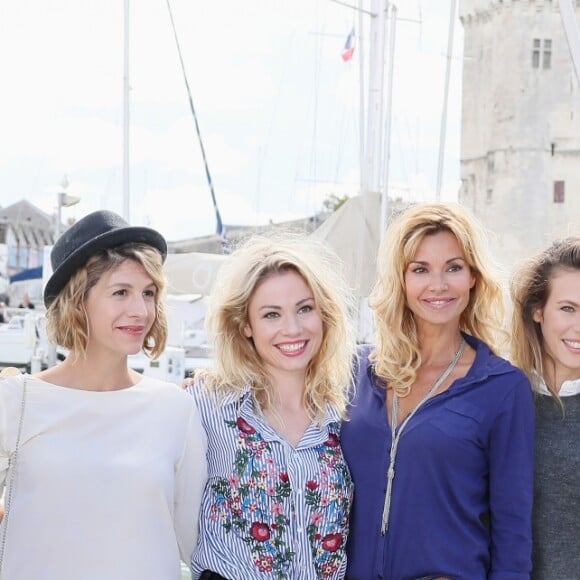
547	61
559	190
542	53
536	53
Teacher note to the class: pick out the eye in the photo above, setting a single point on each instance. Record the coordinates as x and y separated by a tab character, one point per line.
567	309
306	309
419	270
150	293
120	292
271	315
455	268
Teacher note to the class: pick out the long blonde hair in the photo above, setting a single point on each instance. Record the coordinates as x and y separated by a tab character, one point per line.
238	365
396	355
530	289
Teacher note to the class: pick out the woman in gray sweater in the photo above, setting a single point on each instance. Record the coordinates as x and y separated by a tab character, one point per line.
546	345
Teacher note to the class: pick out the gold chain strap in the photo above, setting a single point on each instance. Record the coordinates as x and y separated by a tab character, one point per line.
12	460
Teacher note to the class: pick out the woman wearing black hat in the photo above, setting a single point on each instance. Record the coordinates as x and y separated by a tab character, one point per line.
104	468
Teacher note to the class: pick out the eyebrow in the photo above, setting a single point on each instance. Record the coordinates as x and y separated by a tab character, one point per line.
569	302
129	285
276	307
447	261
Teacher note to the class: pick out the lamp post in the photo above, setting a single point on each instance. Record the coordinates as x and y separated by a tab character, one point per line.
63	200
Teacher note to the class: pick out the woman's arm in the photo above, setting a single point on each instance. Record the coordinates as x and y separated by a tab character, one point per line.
511	481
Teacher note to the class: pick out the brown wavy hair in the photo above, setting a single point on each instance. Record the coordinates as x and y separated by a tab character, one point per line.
530	290
66	317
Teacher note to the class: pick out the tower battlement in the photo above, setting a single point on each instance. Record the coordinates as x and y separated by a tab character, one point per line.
475	10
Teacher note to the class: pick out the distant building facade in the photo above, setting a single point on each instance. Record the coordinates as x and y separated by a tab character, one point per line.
24	232
520	151
235	234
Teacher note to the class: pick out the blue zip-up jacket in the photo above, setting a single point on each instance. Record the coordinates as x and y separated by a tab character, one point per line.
463	486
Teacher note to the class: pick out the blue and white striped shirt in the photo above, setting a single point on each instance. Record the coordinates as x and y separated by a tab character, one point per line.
270	510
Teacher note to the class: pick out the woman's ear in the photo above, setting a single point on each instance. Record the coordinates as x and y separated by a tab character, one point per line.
248	331
537	315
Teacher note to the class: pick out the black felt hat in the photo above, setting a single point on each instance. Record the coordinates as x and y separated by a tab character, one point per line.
100	230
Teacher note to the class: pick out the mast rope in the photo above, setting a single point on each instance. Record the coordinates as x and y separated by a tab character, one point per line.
219	224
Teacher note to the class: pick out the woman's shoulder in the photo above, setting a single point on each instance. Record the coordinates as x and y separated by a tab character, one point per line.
209	393
11	386
499	374
153	383
495	369
163	392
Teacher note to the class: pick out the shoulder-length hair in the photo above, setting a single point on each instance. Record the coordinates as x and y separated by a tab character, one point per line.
238	365
396	355
530	289
66	317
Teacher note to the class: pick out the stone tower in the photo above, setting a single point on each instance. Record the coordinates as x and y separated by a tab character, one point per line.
520	151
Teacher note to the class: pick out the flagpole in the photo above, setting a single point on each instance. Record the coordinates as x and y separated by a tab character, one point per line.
126	204
387	139
361	85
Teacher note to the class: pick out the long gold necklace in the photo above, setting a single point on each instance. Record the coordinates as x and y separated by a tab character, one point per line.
396	434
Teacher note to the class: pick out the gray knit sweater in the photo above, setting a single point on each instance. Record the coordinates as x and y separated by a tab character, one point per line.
556	530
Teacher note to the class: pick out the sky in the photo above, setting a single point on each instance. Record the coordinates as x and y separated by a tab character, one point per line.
278	109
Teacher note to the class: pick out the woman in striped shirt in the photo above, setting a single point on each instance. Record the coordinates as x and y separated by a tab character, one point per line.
277	500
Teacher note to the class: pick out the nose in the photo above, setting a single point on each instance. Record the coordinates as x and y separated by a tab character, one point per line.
138	306
293	326
438	282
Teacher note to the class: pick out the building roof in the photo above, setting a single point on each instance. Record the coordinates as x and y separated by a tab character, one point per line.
31	226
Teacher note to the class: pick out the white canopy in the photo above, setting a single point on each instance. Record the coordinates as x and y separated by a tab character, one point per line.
353	232
192	273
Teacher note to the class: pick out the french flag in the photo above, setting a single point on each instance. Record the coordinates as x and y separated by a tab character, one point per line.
348	49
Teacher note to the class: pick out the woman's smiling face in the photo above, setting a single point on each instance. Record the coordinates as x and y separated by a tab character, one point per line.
284	324
438	280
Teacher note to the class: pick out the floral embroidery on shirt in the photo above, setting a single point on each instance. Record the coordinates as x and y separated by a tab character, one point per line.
255	504
332	494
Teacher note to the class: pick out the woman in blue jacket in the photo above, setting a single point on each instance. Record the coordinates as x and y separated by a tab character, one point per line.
440	437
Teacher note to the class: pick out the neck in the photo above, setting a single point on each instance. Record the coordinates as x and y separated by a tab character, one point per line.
89	375
288	394
439	350
555	376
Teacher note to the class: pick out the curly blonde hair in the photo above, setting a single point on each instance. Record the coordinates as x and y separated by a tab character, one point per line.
66	317
396	354
238	365
531	285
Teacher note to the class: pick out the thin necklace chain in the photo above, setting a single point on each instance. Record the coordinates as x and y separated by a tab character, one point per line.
396	435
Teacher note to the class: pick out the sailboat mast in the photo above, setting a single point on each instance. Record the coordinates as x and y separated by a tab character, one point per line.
375	170
443	128
388	112
572	30
374	136
126	198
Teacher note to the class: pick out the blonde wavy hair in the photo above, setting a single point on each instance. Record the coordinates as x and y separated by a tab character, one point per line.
397	355
238	365
530	289
66	317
